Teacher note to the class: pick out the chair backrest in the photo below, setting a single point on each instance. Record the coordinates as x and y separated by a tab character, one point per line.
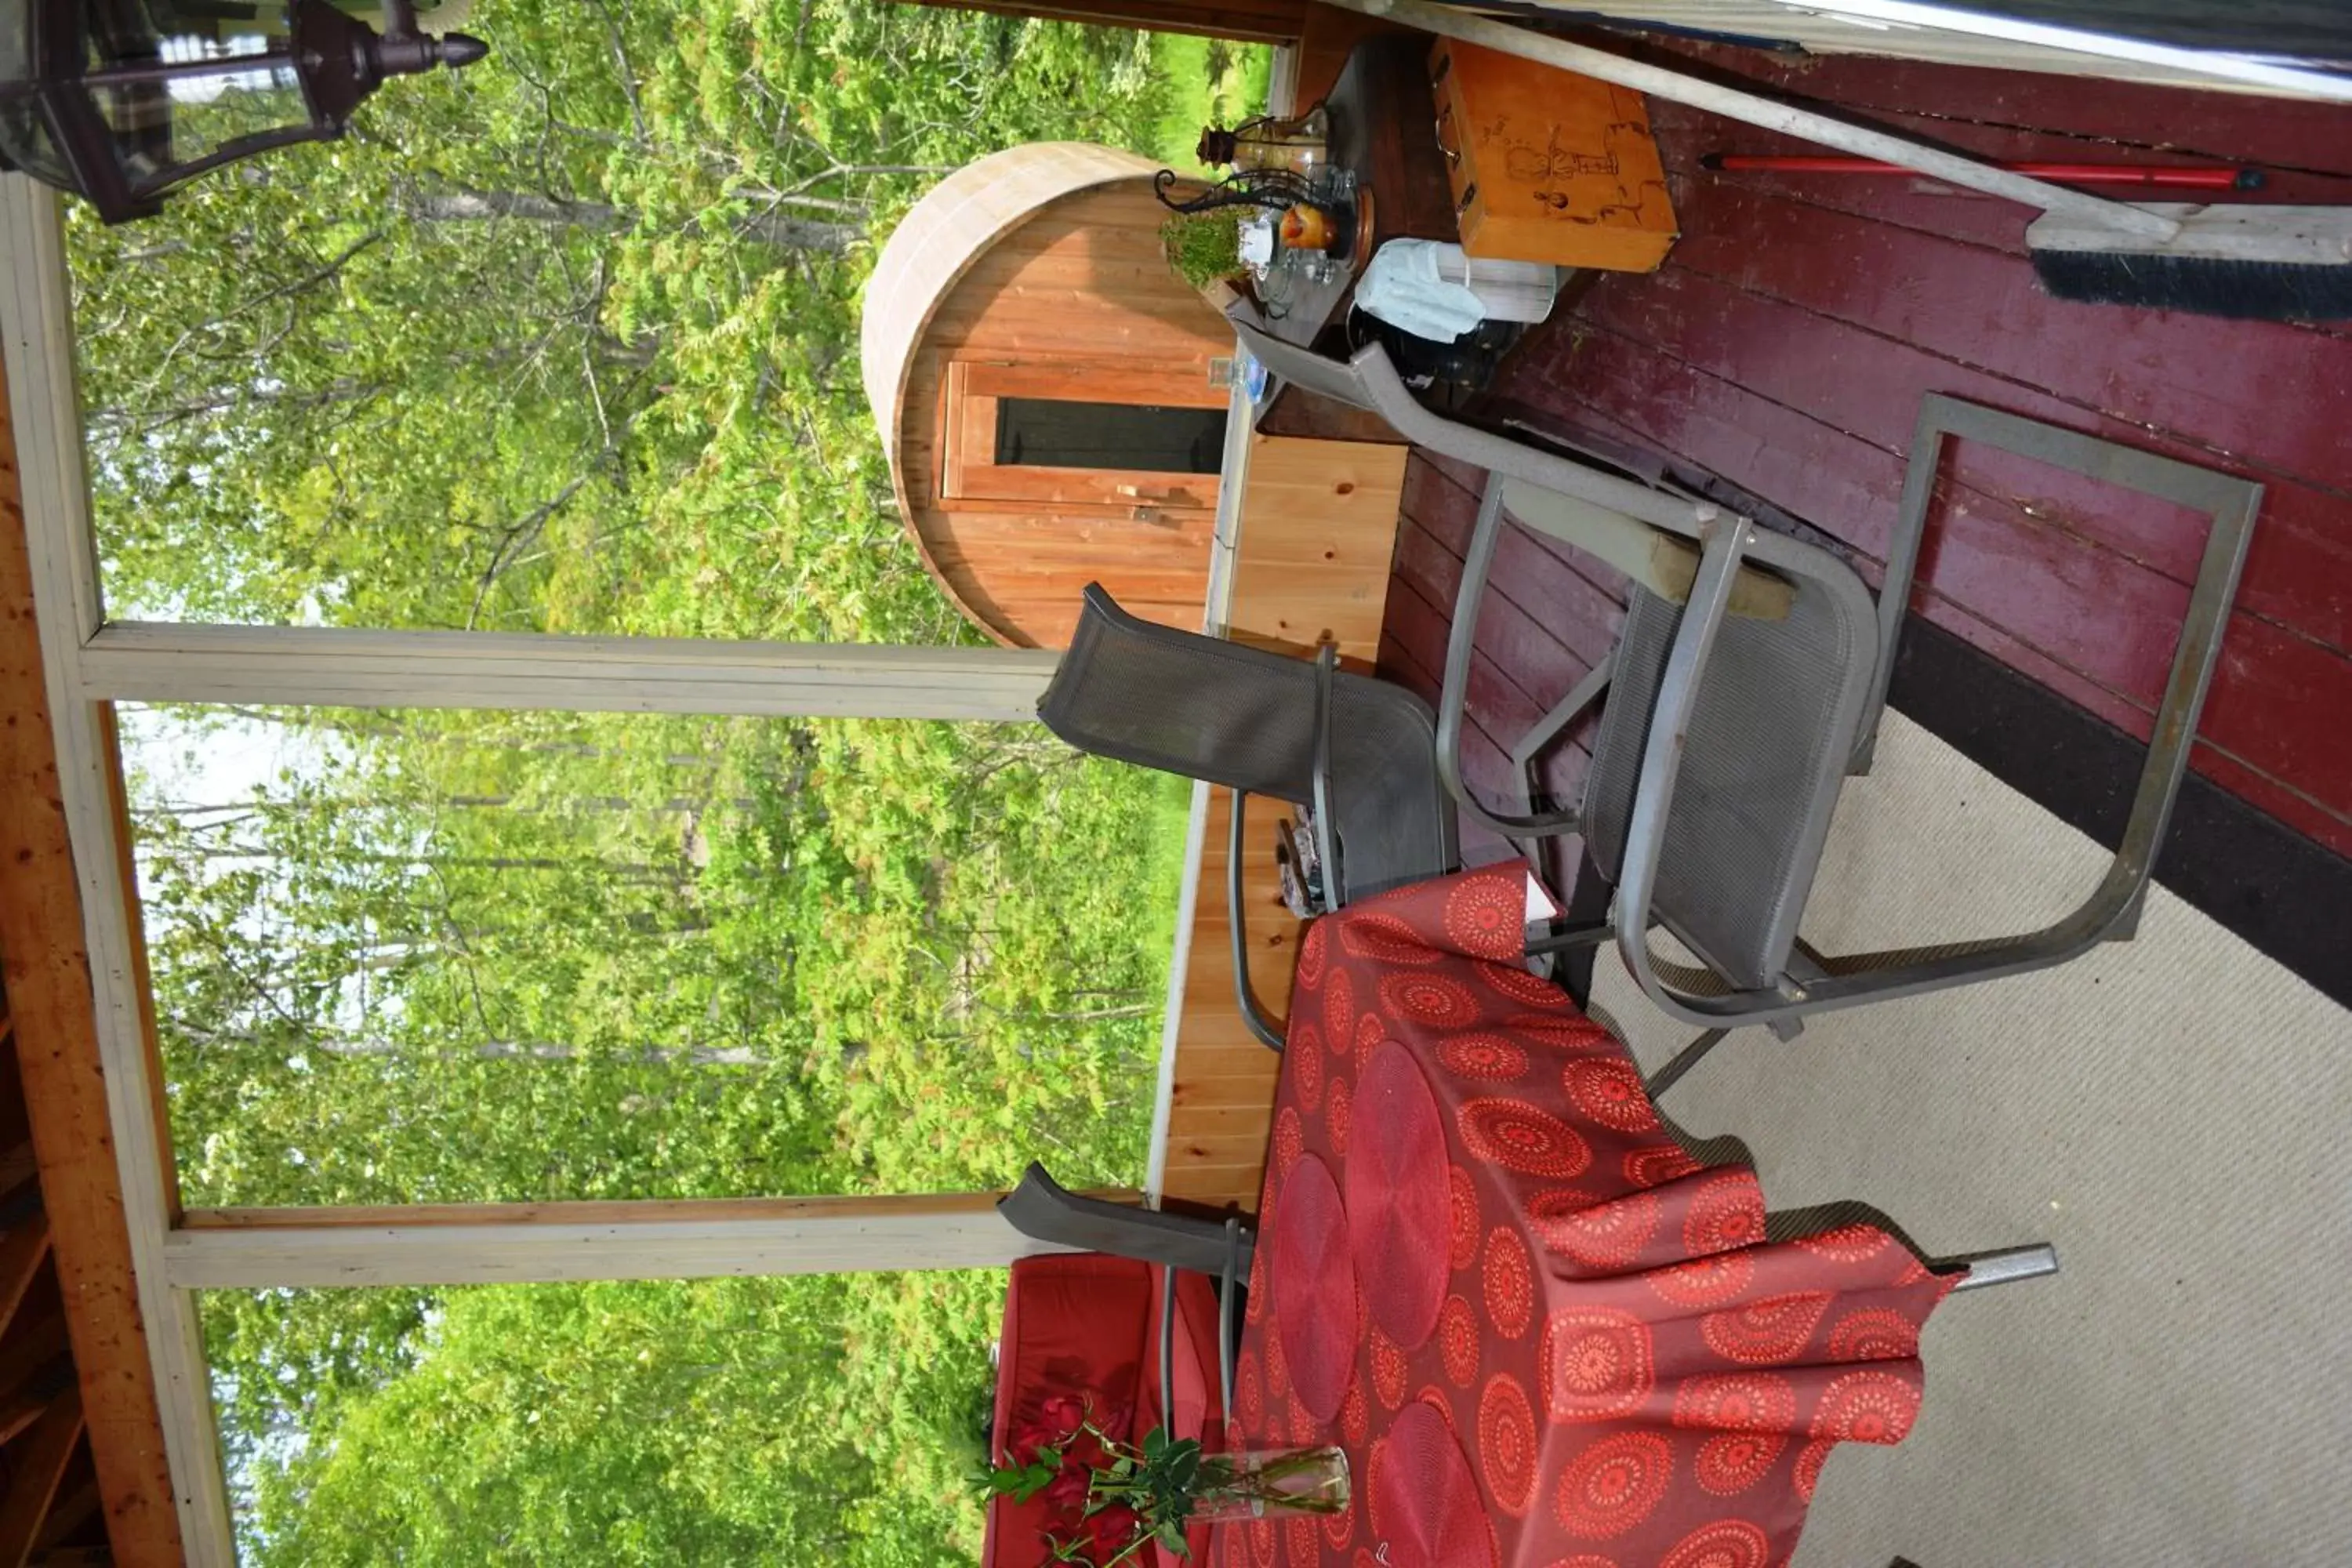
1243	717
1770	739
1183	703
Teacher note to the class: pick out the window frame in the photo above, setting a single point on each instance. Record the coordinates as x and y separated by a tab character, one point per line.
970	473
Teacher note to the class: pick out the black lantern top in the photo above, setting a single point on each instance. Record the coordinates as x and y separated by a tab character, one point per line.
124	100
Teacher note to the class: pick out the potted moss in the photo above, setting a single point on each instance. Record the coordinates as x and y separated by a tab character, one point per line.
1205	248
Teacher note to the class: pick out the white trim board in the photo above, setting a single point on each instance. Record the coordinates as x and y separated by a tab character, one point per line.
724	1238
1232	476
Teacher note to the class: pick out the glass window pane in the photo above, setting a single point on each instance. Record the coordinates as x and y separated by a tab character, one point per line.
448	956
1055	433
567	340
732	1423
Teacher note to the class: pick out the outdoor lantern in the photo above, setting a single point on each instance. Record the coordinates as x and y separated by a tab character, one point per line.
125	101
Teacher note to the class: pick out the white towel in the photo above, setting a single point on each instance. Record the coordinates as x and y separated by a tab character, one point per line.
1403	288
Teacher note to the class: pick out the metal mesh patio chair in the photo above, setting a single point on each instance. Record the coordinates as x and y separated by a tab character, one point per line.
1042	1209
1361	753
1746	688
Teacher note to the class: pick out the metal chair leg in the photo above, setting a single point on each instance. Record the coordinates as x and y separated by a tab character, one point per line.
1690	1056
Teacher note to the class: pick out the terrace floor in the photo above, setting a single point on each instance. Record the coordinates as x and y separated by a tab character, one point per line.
2163	1110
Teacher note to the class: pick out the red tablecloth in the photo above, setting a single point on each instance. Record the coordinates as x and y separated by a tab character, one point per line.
1546	1337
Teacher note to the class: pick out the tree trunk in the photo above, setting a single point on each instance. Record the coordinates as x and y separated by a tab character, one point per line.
482	207
544	1051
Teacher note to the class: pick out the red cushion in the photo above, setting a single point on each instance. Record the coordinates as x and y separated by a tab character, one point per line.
1085	1324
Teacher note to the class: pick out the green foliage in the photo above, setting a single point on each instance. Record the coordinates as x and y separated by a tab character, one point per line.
566	343
716	1421
1204	82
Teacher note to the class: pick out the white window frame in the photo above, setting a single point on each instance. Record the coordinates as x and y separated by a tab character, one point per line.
90	662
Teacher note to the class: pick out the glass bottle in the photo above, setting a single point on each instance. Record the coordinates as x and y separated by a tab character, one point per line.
1301	144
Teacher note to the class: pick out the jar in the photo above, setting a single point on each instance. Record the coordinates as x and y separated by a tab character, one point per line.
1301	144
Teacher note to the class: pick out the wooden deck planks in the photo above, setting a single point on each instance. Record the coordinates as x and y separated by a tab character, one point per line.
1786	345
1317	536
2118	118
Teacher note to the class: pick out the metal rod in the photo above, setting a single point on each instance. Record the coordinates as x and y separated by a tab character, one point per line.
1454	693
2008	1266
1245	997
2173	175
1690	1056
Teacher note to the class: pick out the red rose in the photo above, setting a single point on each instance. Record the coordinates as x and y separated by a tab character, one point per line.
1112	1529
1063	1415
1027	1441
1067	1492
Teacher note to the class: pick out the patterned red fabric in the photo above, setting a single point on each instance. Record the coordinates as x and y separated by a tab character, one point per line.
1313	1273
1425	1500
1397	1199
1576	1346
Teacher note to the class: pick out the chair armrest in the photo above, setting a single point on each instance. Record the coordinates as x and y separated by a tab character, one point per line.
1454	689
1327	840
1042	1209
1236	910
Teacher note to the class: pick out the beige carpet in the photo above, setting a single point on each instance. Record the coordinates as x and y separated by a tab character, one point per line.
2169	1112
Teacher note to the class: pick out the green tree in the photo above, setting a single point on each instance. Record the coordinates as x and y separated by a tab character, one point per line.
567	343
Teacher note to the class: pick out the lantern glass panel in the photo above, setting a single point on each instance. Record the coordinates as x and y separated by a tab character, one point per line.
25	142
157	124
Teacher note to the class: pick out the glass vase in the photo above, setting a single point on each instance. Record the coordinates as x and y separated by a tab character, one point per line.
1252	1483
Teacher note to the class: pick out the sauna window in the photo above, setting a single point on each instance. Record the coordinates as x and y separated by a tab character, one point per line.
1140	439
1042	432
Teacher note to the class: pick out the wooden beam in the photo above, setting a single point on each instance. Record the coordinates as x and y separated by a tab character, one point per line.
70	1512
464	1243
343	667
18	1164
40	1465
1666	563
43	944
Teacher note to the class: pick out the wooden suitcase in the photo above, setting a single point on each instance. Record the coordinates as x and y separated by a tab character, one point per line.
1547	165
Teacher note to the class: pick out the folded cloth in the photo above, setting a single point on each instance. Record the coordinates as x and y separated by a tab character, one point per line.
1402	287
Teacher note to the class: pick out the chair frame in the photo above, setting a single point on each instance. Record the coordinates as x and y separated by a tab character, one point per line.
1727	541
